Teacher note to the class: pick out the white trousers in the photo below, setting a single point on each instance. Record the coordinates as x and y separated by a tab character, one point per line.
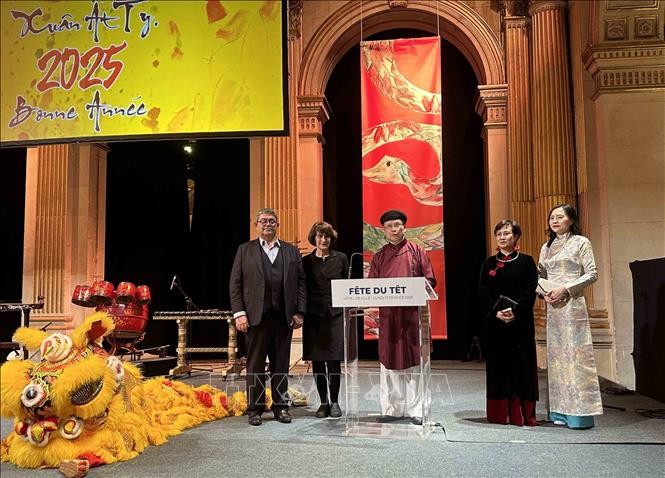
403	392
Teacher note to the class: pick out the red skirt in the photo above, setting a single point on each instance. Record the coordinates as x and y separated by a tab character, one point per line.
511	410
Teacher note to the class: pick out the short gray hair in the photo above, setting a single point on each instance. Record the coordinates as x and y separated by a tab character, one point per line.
267	211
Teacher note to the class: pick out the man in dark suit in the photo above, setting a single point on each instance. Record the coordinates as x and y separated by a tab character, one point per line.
267	289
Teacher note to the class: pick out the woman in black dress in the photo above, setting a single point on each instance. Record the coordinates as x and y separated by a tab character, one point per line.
512	380
323	329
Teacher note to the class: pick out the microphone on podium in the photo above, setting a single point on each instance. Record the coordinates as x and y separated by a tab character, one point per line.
348	274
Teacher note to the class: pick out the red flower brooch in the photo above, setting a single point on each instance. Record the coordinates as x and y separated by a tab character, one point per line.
501	262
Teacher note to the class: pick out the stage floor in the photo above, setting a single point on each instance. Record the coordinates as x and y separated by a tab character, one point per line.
463	445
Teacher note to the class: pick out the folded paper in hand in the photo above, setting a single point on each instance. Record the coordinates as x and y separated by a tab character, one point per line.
504	303
546	286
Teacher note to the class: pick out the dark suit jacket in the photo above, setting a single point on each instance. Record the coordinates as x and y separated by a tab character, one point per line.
247	284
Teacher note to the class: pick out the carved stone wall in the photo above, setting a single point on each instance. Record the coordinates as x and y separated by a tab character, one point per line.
626	45
621	79
629	21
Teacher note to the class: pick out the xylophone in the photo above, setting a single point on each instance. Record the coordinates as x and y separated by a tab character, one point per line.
183	318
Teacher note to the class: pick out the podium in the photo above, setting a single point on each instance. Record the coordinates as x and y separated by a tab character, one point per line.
366	390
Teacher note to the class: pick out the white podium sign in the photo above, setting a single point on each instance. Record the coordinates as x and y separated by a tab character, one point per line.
369	410
392	292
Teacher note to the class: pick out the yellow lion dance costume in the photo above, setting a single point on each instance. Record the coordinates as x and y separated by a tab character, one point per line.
81	407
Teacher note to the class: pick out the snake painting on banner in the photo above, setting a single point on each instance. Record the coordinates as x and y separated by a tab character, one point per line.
402	152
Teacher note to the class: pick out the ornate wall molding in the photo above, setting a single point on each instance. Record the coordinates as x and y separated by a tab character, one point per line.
616	29
631	4
491	102
633	22
515	8
295	17
646	27
461	25
313	112
516	22
398	3
539	6
616	69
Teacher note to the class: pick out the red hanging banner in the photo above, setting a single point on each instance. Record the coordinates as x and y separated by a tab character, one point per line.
401	148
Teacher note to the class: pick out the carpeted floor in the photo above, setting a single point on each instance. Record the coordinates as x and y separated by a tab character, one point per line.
464	421
623	443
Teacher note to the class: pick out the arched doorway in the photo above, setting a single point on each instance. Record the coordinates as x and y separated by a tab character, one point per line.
458	24
463	181
476	44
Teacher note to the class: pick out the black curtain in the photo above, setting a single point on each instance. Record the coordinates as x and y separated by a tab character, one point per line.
220	224
12	220
148	238
147	224
649	327
463	177
463	203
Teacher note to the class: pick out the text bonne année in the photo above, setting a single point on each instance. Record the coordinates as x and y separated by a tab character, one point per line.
96	110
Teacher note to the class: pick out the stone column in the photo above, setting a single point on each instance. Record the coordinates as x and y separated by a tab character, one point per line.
313	112
552	125
281	156
298	223
275	163
553	150
65	213
491	106
280	185
520	160
257	180
577	29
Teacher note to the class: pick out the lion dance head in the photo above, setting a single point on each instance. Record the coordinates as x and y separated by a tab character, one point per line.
82	407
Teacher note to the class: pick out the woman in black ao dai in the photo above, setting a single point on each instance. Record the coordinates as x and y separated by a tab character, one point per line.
512	382
323	328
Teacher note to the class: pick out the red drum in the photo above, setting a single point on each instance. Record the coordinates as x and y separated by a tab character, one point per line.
130	319
130	323
125	293
102	292
143	295
83	296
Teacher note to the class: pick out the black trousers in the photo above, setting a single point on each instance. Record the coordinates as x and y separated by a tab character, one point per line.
271	338
327	373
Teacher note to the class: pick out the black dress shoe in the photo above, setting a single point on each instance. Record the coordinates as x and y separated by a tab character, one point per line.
283	416
254	420
323	411
335	411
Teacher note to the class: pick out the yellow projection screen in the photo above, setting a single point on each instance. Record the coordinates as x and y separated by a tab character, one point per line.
108	70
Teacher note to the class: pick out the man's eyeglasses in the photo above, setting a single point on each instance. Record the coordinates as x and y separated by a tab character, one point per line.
270	222
393	225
